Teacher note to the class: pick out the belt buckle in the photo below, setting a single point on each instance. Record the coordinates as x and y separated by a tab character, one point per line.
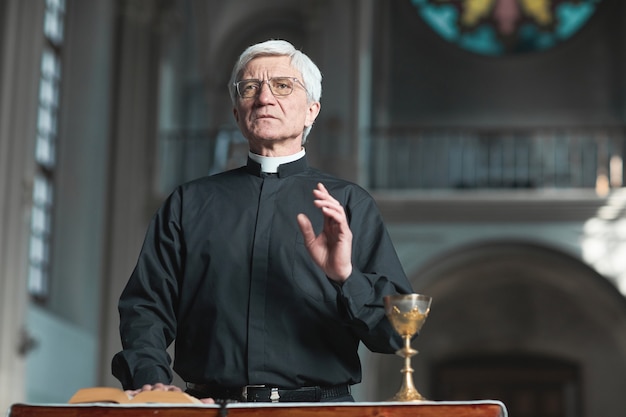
274	396
244	390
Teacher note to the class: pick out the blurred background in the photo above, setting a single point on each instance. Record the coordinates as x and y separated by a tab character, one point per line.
491	134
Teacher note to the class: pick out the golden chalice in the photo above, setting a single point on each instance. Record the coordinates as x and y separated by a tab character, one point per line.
407	313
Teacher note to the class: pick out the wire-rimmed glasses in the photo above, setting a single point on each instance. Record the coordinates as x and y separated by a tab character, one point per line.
279	86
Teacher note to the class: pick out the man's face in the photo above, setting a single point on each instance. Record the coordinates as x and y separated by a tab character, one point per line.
272	122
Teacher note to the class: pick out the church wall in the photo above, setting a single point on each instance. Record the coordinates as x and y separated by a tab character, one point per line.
66	329
572	83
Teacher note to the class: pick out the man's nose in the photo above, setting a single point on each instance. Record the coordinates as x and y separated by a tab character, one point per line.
265	93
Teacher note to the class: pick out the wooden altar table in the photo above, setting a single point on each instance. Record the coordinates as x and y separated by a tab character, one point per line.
369	409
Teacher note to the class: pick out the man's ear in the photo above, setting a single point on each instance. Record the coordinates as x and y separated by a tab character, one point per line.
313	111
236	114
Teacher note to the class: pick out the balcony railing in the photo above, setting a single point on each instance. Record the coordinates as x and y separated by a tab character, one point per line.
436	158
444	158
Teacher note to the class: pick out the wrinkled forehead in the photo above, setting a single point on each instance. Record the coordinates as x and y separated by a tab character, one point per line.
268	66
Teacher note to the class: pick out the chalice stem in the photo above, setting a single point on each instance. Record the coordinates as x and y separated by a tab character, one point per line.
407	392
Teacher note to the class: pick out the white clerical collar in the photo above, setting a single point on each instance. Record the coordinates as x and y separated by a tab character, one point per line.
270	164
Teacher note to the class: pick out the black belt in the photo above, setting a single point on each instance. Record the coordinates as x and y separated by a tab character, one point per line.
263	393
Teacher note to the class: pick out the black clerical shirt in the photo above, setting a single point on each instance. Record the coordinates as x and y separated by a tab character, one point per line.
224	272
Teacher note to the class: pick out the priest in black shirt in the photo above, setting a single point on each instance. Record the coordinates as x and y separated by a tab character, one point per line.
266	277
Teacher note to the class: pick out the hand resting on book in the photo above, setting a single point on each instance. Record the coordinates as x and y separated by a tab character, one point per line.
162	387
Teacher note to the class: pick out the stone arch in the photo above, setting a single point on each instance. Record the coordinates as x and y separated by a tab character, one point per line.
507	297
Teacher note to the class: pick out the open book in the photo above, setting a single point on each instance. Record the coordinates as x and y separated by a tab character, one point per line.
116	395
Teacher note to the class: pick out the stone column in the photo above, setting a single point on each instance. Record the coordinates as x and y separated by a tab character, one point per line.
21	41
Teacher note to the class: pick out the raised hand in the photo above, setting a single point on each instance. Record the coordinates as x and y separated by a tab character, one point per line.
331	250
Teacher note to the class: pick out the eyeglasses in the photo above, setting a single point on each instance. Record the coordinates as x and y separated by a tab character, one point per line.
279	86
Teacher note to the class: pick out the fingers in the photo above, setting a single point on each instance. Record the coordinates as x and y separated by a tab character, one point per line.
156	387
323	196
132	392
324	199
207	400
333	211
306	228
331	208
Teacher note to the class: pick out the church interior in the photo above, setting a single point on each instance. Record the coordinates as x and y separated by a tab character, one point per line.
491	134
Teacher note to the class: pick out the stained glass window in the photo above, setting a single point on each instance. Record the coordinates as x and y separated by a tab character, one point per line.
497	27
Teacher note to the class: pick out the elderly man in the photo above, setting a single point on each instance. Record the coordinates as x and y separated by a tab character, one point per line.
269	276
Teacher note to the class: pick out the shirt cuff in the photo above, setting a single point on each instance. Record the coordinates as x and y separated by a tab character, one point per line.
356	292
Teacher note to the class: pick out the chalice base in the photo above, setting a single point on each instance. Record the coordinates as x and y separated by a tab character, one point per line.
408	392
408	396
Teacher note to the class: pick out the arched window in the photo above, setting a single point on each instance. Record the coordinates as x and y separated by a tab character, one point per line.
45	152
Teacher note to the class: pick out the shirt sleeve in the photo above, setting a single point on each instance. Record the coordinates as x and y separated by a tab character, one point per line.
377	272
147	306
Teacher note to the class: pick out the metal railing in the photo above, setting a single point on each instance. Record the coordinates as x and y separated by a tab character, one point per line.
442	158
436	158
